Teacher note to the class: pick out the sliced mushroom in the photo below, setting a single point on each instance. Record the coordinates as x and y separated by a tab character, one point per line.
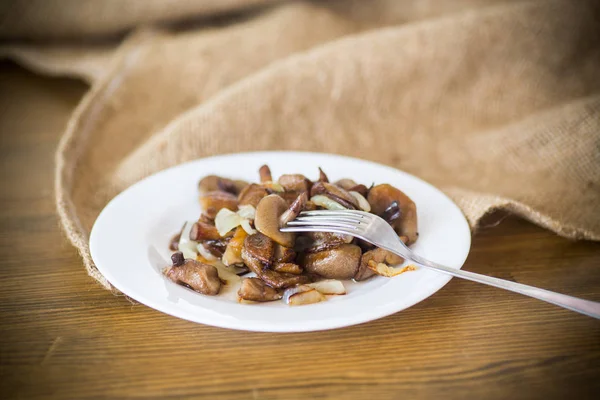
382	196
255	289
212	202
287	267
378	256
295	183
338	263
326	240
202	278
266	220
335	193
322	176
233	251
272	278
295	208
252	194
204	231
283	254
265	173
261	247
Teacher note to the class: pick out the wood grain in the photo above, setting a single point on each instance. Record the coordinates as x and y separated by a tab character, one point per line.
63	336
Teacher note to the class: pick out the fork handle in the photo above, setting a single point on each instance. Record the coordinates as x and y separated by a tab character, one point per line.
587	307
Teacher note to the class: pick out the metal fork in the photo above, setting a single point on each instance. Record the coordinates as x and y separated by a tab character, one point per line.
377	231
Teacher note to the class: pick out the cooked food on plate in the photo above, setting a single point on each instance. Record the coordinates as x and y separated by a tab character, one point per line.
236	239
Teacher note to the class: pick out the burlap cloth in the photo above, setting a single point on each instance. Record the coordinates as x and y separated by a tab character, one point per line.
495	102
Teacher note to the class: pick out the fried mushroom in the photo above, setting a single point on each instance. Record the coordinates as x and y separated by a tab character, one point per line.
200	277
255	289
381	198
338	263
212	202
267	220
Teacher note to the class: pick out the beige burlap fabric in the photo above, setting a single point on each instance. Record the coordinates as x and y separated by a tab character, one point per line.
497	103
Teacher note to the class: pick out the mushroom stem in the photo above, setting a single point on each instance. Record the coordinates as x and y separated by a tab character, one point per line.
295	208
265	174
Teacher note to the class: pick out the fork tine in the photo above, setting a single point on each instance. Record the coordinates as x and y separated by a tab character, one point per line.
324	224
342	231
317	218
338	213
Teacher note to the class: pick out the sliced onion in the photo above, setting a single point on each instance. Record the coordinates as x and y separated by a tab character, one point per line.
226	273
387	271
187	246
203	251
362	202
246	211
246	225
226	220
328	286
326	202
301	295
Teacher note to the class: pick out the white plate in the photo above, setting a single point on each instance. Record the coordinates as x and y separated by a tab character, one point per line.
129	244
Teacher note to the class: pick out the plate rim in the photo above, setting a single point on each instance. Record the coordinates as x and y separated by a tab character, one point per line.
270	327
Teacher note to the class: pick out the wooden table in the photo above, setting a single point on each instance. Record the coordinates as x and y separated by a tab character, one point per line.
63	336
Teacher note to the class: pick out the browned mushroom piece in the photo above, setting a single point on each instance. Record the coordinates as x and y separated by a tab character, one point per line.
213	183
378	256
202	278
335	193
294	209
212	202
326	240
272	278
233	251
260	247
252	194
265	174
256	289
322	176
295	183
203	231
338	263
283	254
381	197
287	267
266	220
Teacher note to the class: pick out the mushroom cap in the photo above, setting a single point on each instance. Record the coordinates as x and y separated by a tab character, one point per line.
295	183
381	196
266	219
338	263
